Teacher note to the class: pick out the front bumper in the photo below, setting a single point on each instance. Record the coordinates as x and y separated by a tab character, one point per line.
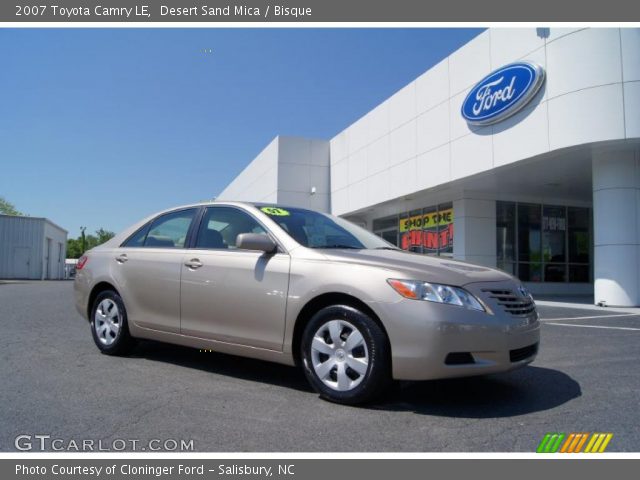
430	340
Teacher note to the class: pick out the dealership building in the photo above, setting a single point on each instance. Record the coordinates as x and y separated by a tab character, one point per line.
521	151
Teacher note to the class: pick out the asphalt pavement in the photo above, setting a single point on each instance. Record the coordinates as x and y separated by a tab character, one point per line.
57	385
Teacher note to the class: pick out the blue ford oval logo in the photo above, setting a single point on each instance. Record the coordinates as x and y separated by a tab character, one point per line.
502	93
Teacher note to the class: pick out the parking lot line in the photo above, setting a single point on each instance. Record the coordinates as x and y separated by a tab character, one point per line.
590	317
593	326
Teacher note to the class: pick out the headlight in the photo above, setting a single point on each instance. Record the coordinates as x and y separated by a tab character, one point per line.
435	292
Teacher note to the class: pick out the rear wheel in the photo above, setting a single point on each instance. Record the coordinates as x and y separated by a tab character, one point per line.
109	324
345	355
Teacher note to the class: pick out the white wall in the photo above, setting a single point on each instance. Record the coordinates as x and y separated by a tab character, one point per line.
58	251
303	166
21	247
474	223
616	215
418	140
285	172
258	182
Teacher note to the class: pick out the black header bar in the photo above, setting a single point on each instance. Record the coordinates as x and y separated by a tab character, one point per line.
482	11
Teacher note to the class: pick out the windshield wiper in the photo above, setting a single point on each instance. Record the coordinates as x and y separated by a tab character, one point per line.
386	248
338	246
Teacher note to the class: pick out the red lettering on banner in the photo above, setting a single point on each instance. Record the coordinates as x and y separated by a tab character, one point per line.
431	240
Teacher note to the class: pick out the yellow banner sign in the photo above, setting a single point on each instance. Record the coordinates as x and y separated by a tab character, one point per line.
427	220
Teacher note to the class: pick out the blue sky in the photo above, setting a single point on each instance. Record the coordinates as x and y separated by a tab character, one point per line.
101	127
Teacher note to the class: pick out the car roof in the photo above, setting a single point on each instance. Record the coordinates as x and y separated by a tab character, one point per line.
237	203
123	235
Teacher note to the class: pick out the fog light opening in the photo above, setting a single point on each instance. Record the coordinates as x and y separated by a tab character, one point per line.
459	358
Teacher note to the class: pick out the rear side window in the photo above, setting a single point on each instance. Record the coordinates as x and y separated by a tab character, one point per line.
221	226
167	231
137	239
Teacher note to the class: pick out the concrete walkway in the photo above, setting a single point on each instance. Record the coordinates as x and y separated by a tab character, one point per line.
582	302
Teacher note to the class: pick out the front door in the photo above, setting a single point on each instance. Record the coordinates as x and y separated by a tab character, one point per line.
232	295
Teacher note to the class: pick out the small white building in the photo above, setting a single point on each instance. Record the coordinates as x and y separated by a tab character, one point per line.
520	150
31	248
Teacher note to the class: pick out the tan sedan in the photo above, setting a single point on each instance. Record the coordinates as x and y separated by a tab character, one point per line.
300	287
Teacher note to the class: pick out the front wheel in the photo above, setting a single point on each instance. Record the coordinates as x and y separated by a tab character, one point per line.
345	355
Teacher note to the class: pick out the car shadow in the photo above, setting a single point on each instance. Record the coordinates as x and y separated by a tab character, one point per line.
223	364
523	391
530	389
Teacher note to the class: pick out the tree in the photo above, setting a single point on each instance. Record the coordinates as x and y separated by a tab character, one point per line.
104	235
74	245
7	208
74	248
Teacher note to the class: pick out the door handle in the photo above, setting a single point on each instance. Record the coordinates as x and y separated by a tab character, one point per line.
194	263
122	258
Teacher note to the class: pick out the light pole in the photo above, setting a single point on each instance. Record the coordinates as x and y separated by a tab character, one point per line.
82	238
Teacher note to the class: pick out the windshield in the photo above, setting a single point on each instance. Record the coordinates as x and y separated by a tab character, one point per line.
318	230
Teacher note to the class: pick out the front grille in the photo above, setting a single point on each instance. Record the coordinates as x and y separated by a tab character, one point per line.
511	303
523	353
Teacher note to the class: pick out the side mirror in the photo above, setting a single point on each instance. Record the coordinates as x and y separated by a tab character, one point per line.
256	241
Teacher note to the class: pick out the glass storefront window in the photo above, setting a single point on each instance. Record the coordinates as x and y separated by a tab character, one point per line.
537	243
530	272
427	230
445	229
529	224
405	225
386	223
416	224
543	243
507	267
387	228
579	273
390	236
579	245
506	234
555	272
554	227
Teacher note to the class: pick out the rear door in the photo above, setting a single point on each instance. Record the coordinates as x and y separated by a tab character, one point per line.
148	268
232	295
21	262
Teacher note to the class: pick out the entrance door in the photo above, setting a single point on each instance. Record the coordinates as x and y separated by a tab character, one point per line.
21	262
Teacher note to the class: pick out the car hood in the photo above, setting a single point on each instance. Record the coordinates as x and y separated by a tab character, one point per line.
420	267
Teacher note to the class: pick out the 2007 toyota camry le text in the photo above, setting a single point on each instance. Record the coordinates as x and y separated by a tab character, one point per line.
300	287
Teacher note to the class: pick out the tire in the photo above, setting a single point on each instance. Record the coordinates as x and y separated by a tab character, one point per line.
109	325
357	371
